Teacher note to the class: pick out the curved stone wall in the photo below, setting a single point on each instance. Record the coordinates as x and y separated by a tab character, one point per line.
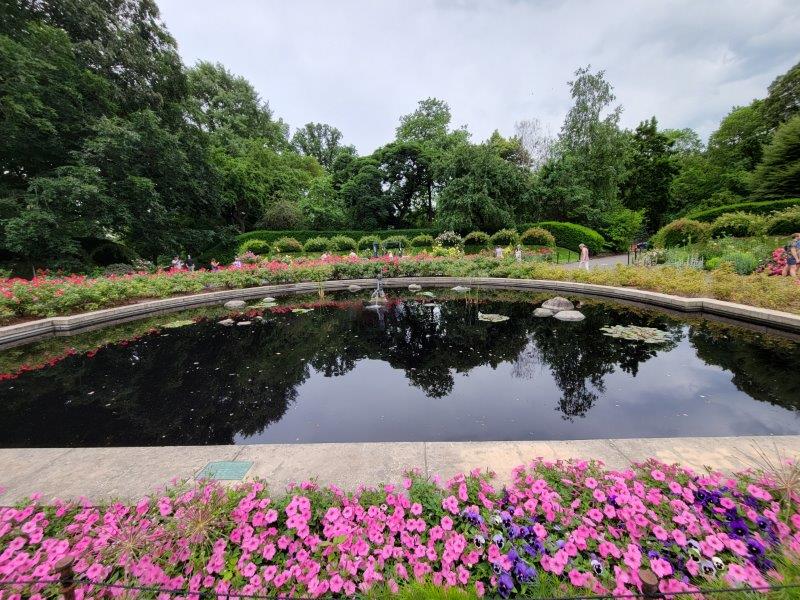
23	333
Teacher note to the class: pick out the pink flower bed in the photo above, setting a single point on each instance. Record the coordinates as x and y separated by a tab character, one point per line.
592	528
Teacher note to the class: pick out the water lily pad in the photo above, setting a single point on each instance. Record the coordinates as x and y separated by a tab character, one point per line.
460	289
492	318
353	288
301	311
426	294
414	287
179	323
648	335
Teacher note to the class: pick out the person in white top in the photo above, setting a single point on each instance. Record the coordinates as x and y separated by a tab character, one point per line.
584	262
518	254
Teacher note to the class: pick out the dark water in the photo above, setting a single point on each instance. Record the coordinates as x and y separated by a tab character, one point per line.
413	372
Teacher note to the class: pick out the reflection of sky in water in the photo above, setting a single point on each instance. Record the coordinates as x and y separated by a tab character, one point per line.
673	395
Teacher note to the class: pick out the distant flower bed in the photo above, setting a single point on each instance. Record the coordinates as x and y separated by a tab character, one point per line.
592	530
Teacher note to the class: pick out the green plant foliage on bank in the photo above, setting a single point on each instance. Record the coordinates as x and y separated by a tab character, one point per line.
304	235
764	207
784	223
737	224
569	235
680	233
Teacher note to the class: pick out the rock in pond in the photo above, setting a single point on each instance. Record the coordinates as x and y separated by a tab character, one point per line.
543	312
460	289
569	315
558	303
227	322
414	287
268	300
492	318
354	288
235	304
243	323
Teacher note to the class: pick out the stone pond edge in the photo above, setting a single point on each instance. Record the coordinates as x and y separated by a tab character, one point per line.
22	333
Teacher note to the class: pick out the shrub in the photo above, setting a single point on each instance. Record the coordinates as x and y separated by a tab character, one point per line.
536	236
302	235
255	246
569	235
622	226
784	223
287	244
343	243
680	233
477	238
743	263
737	224
449	239
505	237
762	208
422	241
317	244
366	242
396	241
118	269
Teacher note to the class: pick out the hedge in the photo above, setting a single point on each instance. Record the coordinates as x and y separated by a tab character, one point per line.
505	237
536	236
569	235
737	224
477	238
680	233
763	207
303	235
784	223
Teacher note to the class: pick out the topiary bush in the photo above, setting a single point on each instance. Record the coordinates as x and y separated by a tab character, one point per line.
680	233
396	241
505	237
287	244
786	222
536	236
422	241
366	242
317	244
342	243
737	224
569	235
449	239
477	238
259	247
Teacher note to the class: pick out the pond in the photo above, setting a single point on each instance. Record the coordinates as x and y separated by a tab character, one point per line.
420	369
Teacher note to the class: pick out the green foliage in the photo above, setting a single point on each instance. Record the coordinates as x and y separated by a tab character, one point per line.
569	235
537	236
778	176
318	140
737	224
322	208
786	222
449	239
622	226
343	243
287	244
305	234
742	263
396	241
762	207
317	244
367	242
477	238
422	241
505	237
259	247
680	233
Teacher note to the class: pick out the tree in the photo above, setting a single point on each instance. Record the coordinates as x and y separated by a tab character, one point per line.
429	122
320	141
778	175
737	143
228	107
362	195
537	141
649	175
406	169
783	98
322	207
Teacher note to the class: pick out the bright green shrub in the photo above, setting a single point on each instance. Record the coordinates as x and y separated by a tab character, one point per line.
737	224
303	235
762	208
622	226
477	238
536	236
422	241
449	239
343	243
396	241
713	263
742	263
505	237
287	244
366	242
786	222
259	247
317	244
680	233
569	235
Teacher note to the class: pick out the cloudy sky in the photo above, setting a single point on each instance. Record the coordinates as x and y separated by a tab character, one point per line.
359	65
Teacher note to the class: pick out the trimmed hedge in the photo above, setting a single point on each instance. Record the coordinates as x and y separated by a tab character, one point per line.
287	244
477	238
680	233
422	241
365	242
342	243
763	207
259	247
304	235
317	244
569	235
396	241
737	224
536	236
505	237
784	223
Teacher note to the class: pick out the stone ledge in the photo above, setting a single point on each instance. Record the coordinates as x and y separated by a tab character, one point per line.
23	333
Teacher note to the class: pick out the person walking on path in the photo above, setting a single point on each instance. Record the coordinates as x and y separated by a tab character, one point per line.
518	254
584	262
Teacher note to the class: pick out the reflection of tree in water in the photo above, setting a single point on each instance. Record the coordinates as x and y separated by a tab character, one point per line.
206	384
763	366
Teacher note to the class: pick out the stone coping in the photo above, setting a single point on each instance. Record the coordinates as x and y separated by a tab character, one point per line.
23	333
131	473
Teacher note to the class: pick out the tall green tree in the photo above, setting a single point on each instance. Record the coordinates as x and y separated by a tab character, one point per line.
778	175
783	98
362	195
320	141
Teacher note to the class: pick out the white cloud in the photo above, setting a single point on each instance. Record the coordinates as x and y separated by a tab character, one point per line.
359	65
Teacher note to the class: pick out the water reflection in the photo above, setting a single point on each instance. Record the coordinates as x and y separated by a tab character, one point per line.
414	371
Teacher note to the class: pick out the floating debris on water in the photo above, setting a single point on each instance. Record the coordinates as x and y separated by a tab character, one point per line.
460	288
414	287
301	311
426	294
648	335
492	318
